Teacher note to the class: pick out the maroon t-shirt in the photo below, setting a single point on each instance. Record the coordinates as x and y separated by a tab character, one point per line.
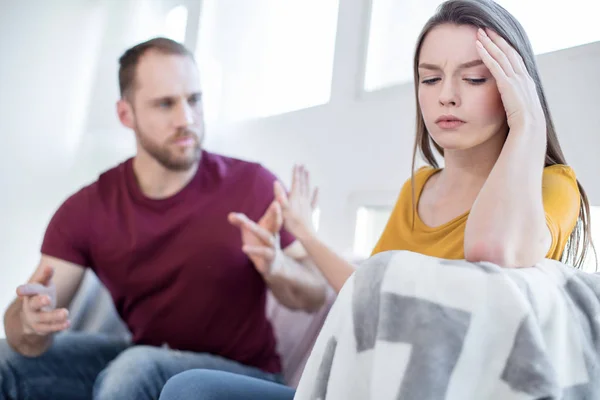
174	266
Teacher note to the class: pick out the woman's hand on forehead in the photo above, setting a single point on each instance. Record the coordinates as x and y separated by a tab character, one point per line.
516	87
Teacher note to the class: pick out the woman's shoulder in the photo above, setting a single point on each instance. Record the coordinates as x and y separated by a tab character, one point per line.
420	176
560	191
416	181
559	176
559	170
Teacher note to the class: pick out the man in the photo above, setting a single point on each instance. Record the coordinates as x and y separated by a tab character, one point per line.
187	275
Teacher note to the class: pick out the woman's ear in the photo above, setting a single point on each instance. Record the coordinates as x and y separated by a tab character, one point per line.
125	113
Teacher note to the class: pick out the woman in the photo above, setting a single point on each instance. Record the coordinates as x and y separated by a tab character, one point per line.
505	194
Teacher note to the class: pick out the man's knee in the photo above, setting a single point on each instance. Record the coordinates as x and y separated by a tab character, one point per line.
10	364
133	372
6	354
210	384
185	385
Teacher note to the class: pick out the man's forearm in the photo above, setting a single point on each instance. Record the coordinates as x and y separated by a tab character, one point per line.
27	345
297	285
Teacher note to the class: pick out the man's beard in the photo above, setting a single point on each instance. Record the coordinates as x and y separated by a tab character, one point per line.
167	154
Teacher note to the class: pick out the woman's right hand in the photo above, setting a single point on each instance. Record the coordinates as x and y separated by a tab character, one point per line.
298	207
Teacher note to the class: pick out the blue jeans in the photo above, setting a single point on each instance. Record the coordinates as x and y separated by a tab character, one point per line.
85	366
219	385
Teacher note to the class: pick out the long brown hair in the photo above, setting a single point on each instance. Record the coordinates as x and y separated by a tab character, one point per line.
488	14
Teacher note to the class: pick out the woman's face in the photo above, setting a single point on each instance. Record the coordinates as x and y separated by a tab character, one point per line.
458	96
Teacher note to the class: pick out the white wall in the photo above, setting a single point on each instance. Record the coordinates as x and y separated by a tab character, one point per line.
59	129
572	85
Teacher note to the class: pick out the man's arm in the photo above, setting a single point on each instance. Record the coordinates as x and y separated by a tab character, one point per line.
290	273
40	309
292	277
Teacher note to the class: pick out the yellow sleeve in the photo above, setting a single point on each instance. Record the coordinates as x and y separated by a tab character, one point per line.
561	203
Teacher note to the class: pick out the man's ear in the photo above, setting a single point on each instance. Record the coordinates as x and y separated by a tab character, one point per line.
125	113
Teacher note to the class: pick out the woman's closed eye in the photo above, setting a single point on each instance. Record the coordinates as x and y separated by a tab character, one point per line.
476	81
472	81
430	81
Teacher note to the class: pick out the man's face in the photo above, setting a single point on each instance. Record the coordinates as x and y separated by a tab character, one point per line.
165	107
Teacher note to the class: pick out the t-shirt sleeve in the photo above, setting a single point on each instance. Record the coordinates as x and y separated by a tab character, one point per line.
561	203
265	180
67	233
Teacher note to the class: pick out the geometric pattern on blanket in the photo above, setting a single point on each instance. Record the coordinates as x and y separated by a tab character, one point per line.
409	326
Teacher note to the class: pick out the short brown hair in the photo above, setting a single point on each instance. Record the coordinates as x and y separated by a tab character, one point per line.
129	60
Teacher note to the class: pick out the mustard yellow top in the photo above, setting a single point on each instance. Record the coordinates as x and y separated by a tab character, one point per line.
561	203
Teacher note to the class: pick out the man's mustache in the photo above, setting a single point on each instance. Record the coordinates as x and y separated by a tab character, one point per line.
185	133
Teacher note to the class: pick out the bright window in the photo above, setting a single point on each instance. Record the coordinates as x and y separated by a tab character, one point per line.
316	218
266	57
370	222
560	25
176	23
395	26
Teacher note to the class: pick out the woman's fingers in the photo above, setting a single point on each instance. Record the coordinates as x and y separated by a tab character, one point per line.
516	61
501	67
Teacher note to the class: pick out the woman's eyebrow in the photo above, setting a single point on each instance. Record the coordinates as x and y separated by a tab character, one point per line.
434	67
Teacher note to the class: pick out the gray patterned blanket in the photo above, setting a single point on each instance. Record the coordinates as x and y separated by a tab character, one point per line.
408	326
